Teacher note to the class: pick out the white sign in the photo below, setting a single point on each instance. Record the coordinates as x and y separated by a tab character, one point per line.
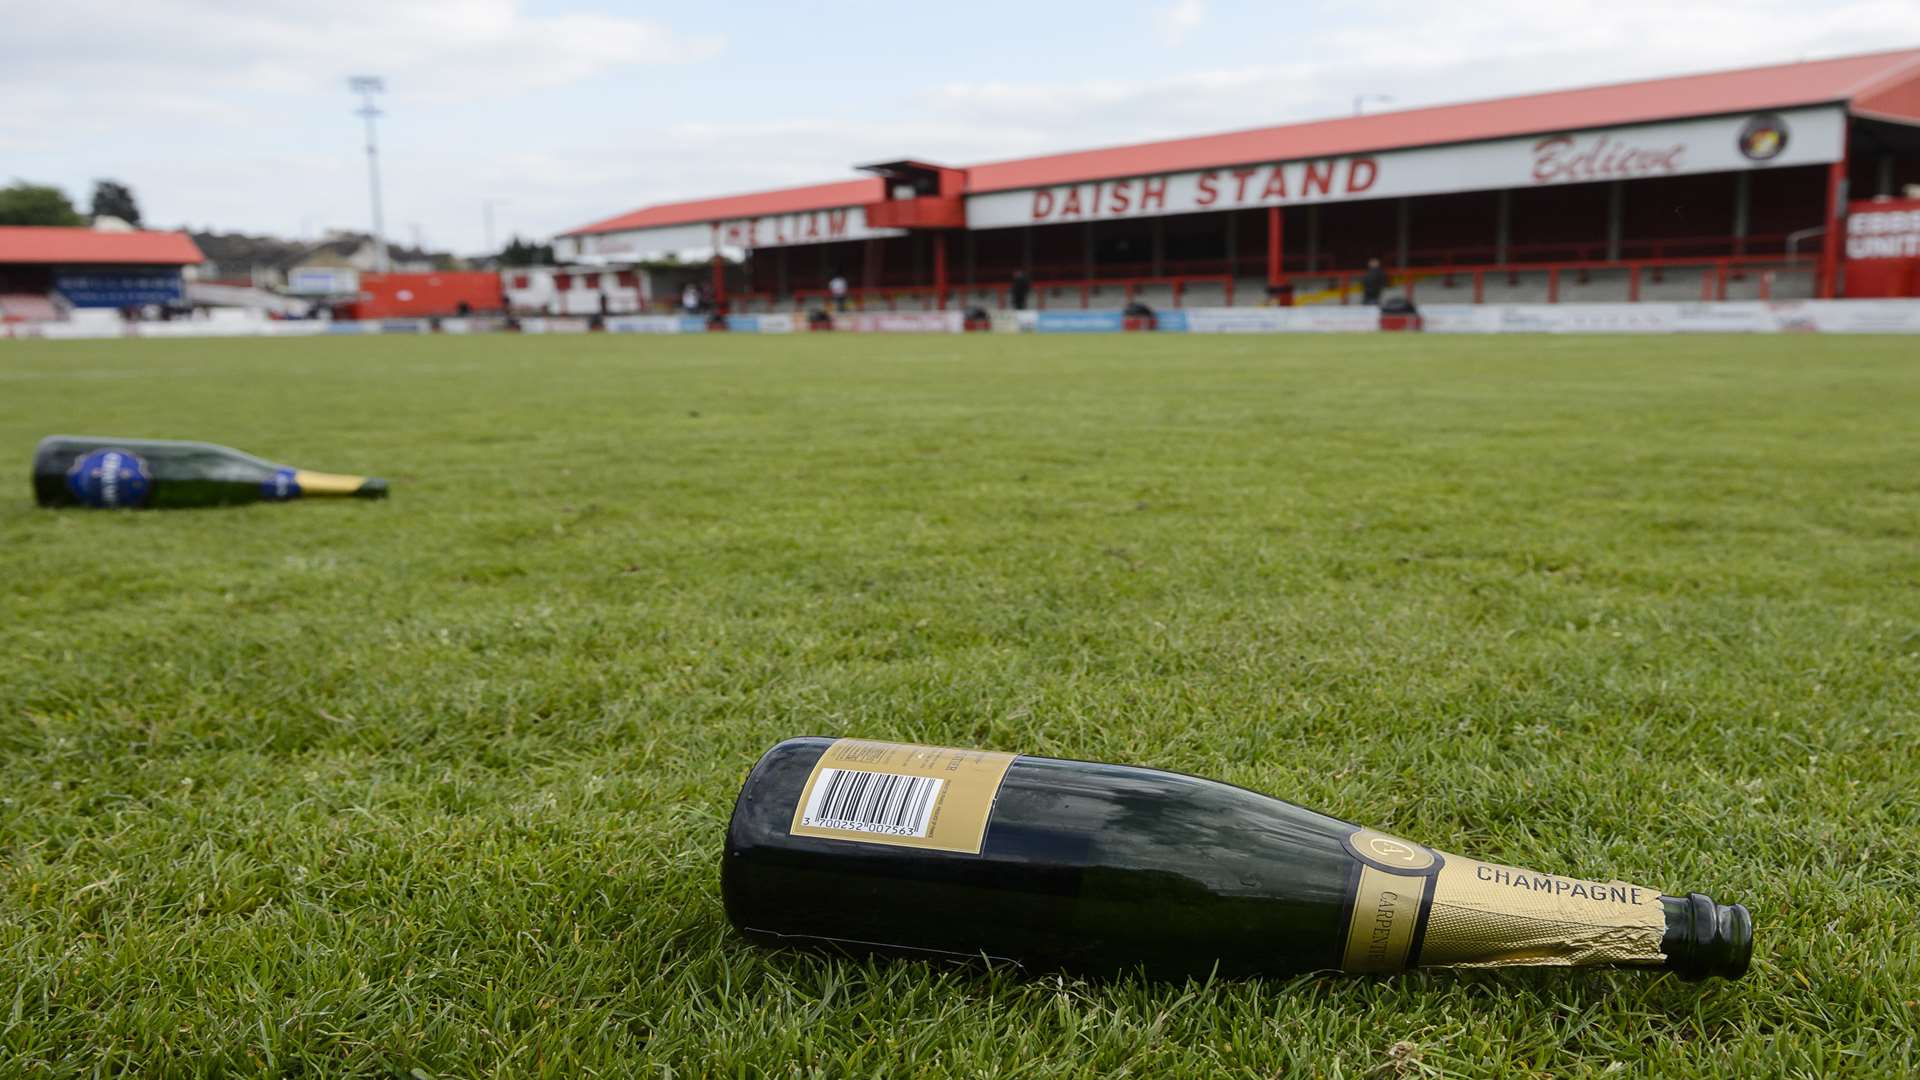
877	322
1721	144
812	227
1312	318
644	324
780	230
1846	316
323	281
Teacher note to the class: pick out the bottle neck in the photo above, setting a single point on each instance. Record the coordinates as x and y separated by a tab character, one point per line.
1416	906
1704	938
323	485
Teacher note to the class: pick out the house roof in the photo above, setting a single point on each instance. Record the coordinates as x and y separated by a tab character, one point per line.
1883	84
82	246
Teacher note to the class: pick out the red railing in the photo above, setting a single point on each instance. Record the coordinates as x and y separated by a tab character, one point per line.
862	298
1536	255
1715	274
872	297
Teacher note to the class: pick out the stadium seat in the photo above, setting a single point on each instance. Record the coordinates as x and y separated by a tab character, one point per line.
1157	297
1204	294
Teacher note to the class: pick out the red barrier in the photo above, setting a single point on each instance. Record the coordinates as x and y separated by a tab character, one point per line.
387	296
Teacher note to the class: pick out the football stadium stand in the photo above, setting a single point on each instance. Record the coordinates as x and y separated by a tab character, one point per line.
1731	185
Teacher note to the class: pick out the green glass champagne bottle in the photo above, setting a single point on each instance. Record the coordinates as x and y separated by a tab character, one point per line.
71	470
1051	864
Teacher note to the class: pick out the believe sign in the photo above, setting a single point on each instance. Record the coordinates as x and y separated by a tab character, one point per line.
1719	144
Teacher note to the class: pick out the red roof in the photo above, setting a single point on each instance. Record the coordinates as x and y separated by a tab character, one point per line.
1778	86
1885	83
49	244
755	204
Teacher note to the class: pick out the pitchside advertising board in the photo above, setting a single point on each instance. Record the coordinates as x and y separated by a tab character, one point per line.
1718	144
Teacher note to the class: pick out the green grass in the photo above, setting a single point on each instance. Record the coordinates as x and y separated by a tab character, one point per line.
439	784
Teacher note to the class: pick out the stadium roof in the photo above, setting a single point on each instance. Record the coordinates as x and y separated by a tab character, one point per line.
1779	86
1884	85
756	204
81	246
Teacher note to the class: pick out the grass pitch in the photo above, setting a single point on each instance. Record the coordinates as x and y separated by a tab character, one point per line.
437	786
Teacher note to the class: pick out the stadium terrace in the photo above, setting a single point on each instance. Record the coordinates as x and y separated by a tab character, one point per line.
1726	185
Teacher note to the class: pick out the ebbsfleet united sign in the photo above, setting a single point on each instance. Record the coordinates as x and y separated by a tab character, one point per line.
1718	144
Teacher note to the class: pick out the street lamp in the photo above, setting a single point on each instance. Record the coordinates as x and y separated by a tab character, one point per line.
367	86
486	220
1360	101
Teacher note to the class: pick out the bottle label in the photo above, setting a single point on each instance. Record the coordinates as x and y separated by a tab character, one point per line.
929	797
284	484
1391	894
110	479
1415	905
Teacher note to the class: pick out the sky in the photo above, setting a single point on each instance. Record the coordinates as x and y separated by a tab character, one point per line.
235	114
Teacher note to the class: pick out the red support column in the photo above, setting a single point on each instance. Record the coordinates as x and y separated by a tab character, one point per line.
1479	287
1553	284
1633	284
719	282
1276	269
1836	222
940	270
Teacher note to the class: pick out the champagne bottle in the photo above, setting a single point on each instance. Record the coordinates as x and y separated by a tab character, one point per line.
70	470
876	846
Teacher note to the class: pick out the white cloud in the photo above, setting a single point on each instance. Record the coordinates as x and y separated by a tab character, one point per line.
1422	54
445	50
235	113
1179	17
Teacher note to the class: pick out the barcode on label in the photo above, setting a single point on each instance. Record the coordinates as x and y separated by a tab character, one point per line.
872	802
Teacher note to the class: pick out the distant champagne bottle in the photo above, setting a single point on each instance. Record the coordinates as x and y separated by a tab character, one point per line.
113	473
1075	865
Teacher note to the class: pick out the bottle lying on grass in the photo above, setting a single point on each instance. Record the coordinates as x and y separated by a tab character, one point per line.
878	846
71	470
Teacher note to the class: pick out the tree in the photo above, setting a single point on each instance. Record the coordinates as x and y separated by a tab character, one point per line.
111	198
519	252
22	203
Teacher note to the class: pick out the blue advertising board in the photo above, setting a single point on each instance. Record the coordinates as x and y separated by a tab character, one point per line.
120	288
1077	322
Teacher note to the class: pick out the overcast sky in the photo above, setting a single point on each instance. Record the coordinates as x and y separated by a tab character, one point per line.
235	113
